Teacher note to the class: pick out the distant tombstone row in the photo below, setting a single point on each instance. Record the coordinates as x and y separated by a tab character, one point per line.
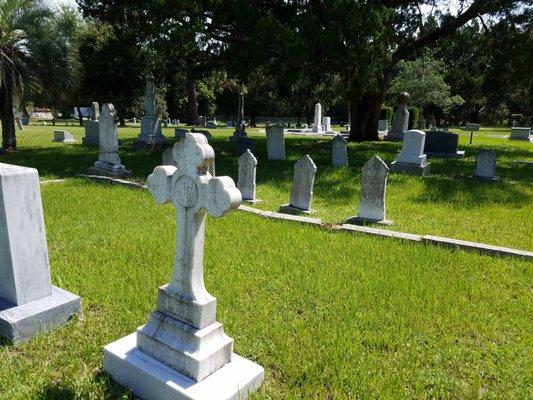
29	304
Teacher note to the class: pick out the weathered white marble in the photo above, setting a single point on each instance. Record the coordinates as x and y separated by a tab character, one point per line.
247	175
373	193
182	336
339	151
521	133
63	137
317	125
302	187
109	163
151	133
412	159
326	123
400	118
486	166
275	142
24	265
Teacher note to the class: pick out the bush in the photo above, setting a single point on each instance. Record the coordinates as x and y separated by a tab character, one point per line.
386	113
414	117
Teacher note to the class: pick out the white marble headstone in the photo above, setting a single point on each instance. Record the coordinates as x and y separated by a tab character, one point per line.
339	151
413	148
326	123
373	190
317	126
275	142
303	182
486	165
247	175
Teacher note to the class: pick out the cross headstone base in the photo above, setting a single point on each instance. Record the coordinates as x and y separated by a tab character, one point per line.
152	380
290	209
411	169
365	221
20	323
103	168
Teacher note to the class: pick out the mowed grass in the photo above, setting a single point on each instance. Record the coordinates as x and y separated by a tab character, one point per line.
448	203
329	315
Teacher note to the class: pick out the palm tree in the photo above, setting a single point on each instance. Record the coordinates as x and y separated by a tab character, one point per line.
21	22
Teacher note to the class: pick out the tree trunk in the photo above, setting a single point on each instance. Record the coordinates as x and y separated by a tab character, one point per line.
253	118
80	115
364	117
192	102
9	140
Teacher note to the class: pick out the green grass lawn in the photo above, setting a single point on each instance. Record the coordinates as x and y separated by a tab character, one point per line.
448	203
329	315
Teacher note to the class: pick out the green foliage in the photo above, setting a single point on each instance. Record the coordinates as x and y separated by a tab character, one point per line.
386	113
414	117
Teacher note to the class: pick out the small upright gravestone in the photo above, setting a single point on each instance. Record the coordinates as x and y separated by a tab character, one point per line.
182	352
247	175
412	159
109	163
317	125
518	133
275	142
63	137
486	166
92	130
326	123
373	193
302	187
339	151
29	304
400	118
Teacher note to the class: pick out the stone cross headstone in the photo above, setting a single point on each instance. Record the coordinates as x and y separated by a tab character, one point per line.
182	342
317	123
109	163
63	137
247	174
373	192
339	151
400	118
412	159
486	166
151	134
302	187
275	142
29	304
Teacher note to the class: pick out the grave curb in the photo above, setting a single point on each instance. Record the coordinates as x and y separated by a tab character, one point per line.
488	249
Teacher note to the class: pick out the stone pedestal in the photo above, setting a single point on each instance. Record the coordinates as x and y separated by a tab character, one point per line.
151	134
29	304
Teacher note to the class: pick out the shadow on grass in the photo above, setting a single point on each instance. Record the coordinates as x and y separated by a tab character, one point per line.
112	390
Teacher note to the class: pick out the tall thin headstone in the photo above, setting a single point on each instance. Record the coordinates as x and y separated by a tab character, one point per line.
373	193
412	160
247	175
92	130
275	142
29	304
400	118
339	151
317	123
182	352
151	134
302	187
486	166
109	163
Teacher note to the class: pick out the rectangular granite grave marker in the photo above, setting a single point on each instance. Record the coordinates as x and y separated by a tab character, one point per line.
29	304
442	144
247	174
486	166
302	187
63	137
182	352
373	193
339	151
412	160
521	133
109	163
275	142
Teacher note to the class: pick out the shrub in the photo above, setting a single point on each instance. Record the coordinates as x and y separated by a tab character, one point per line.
414	117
